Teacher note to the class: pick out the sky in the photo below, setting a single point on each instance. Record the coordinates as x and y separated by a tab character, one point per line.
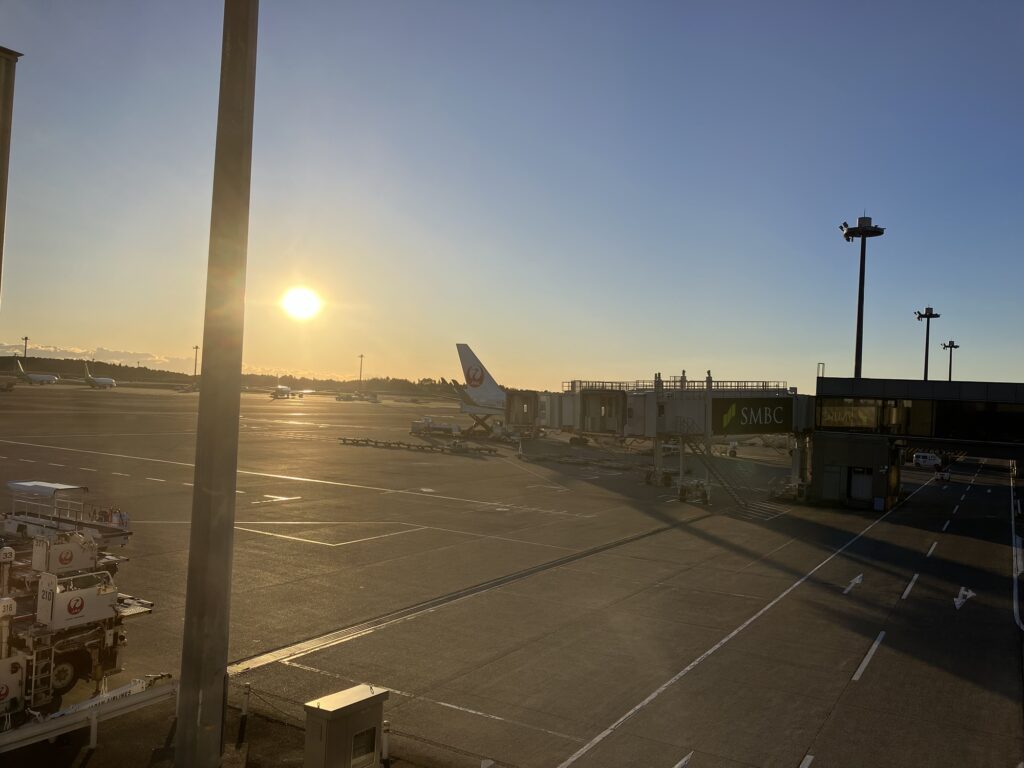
596	190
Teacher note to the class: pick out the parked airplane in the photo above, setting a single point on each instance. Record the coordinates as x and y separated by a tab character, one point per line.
35	378
98	382
481	396
281	392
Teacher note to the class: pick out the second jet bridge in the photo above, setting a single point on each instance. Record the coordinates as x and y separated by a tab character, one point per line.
679	406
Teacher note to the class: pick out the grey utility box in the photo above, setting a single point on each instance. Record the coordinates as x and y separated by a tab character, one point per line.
343	730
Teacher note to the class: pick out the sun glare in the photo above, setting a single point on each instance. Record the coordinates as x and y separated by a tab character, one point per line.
301	303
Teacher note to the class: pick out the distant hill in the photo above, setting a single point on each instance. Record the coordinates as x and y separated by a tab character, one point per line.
131	374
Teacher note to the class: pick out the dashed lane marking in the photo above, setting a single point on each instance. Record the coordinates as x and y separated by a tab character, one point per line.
906	592
51	464
868	655
28	461
806	762
121	474
685	761
700	659
88	469
932	548
945	525
156	479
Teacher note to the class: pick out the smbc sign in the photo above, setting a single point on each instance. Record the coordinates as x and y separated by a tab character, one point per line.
751	415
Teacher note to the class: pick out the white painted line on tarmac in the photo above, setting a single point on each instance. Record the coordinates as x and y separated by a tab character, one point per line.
28	461
241	492
188	484
121	474
156	479
88	469
700	659
327	543
906	591
417	697
867	657
51	464
956	509
806	762
945	525
685	761
297	479
963	496
932	548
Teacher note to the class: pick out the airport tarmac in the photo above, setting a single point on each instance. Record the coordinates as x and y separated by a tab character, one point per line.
550	614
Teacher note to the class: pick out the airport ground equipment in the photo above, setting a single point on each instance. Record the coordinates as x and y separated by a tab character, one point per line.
346	729
427	426
62	619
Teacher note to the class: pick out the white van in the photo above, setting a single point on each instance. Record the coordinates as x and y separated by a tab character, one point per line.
927	460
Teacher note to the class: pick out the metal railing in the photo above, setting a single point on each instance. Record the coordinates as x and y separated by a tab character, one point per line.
673	383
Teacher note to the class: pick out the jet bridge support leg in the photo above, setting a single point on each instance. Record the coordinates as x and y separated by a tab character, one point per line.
480	425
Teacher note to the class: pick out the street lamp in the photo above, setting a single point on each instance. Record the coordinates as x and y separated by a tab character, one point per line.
951	346
360	374
928	315
195	362
25	353
863	230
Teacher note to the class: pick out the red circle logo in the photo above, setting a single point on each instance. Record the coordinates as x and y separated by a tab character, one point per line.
75	606
66	557
4	690
474	376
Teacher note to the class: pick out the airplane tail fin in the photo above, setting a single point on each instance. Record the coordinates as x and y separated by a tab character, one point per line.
480	385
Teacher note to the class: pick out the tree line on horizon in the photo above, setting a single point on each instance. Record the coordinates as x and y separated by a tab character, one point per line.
73	368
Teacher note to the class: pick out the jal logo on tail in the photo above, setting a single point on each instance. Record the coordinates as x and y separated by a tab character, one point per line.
4	692
474	376
75	606
66	557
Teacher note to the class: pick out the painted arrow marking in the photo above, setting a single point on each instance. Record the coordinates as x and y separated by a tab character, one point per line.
853	583
685	761
963	597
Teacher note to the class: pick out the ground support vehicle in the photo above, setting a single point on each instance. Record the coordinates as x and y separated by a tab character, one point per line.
62	619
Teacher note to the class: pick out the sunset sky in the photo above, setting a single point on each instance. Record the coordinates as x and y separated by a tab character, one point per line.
577	189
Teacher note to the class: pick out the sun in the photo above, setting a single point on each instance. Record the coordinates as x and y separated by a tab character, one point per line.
301	303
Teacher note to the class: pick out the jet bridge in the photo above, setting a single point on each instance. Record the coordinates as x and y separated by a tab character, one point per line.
863	428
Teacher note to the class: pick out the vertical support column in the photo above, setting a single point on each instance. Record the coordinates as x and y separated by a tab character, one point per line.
796	465
203	694
8	63
708	381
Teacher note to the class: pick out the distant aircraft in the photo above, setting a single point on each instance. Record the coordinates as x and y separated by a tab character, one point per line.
35	378
481	396
98	382
281	392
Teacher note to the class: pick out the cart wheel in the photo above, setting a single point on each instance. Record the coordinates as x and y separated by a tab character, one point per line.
65	674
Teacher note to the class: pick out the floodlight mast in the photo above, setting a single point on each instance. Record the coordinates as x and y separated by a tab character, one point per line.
863	230
928	315
950	346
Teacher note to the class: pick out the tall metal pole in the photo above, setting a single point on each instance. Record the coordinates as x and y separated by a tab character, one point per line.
203	694
951	346
928	315
8	62
858	355
863	230
360	373
25	352
195	362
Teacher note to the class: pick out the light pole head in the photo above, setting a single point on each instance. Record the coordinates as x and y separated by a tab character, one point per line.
864	228
928	314
951	345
